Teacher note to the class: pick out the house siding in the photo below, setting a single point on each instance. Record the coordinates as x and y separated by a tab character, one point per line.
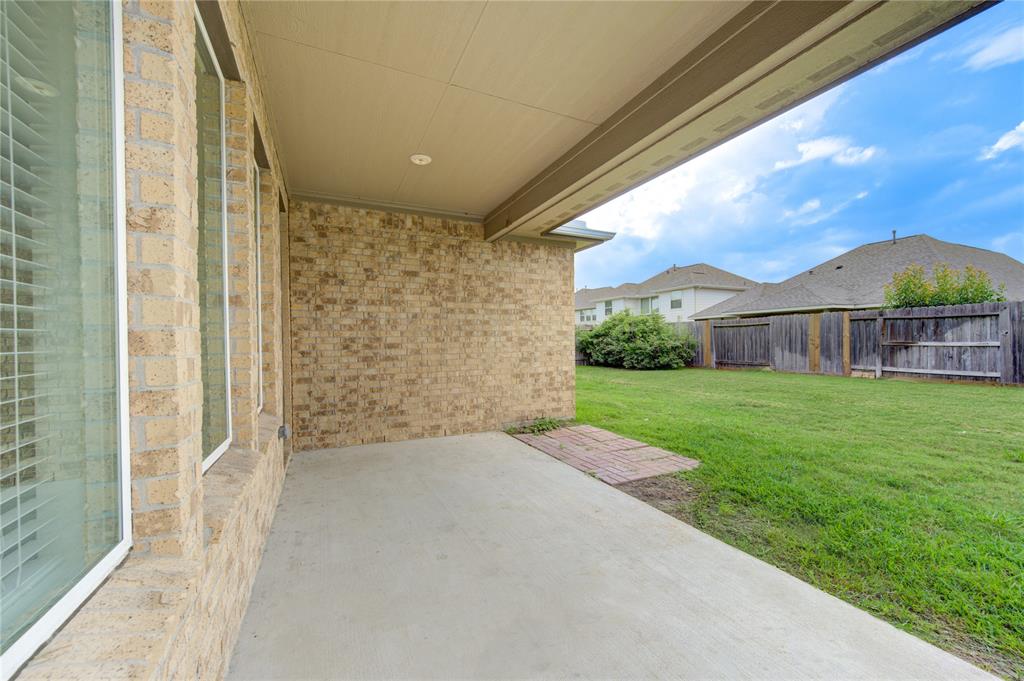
405	326
693	301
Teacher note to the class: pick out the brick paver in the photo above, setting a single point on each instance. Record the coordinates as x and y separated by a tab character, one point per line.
610	457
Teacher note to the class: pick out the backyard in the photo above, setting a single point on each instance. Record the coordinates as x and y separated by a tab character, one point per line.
903	498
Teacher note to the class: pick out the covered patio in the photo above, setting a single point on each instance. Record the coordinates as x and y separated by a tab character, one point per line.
477	556
335	244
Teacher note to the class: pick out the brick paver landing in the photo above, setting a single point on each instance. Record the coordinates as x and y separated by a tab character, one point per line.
612	458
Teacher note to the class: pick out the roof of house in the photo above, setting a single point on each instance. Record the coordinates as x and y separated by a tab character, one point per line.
672	279
856	279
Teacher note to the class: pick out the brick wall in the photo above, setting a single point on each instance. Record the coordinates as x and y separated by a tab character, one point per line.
241	264
405	326
270	250
173	609
163	313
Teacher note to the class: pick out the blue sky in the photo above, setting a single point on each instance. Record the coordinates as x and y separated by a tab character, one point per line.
931	141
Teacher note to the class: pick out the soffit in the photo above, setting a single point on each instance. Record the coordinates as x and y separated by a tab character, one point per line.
493	92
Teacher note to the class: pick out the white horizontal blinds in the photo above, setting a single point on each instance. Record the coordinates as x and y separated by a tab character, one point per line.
59	502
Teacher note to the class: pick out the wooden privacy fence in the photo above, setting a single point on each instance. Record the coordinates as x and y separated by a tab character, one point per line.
980	342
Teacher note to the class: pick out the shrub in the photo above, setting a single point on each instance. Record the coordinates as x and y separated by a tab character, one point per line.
636	342
913	288
581	340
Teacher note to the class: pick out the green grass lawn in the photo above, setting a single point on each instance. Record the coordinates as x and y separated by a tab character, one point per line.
903	498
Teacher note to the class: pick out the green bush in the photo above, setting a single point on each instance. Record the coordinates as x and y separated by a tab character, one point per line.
913	288
636	342
581	340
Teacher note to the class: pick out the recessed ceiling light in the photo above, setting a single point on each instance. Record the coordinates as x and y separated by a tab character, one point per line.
420	159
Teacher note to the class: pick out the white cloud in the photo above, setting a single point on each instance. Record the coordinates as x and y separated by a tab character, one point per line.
1005	48
852	156
715	203
839	149
996	46
810	212
1009	140
807	207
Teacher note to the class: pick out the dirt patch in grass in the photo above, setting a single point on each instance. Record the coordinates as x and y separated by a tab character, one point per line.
667	493
539	426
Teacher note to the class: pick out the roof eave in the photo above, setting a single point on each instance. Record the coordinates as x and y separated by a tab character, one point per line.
713	286
786	310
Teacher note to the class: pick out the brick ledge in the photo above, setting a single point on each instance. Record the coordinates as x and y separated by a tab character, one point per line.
225	484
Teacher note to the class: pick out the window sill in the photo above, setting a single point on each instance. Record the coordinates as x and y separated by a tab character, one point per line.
226	484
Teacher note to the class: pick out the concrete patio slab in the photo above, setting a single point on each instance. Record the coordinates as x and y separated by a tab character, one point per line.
480	557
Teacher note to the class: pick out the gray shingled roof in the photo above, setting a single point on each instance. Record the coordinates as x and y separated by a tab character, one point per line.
856	279
672	279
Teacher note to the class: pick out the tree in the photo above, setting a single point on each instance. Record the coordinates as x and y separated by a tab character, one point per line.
948	286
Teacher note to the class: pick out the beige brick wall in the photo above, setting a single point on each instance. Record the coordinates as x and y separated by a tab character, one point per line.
272	299
242	282
173	609
163	314
405	326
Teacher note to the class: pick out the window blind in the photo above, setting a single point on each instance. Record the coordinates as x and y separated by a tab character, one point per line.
26	505
60	512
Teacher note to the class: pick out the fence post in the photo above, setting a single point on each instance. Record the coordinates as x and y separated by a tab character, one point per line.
814	342
1005	345
709	360
880	325
847	363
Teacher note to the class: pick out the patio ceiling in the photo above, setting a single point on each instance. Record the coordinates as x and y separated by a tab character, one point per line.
535	112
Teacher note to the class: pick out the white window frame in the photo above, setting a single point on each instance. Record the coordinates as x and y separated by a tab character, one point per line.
258	225
607	308
676	297
21	650
219	450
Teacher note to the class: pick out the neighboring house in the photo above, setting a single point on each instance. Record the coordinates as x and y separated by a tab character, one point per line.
677	294
856	279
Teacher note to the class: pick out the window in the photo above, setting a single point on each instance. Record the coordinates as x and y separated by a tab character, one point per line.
259	285
677	300
64	509
213	257
608	308
649	305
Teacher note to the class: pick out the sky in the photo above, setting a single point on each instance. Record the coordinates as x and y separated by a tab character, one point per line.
931	141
